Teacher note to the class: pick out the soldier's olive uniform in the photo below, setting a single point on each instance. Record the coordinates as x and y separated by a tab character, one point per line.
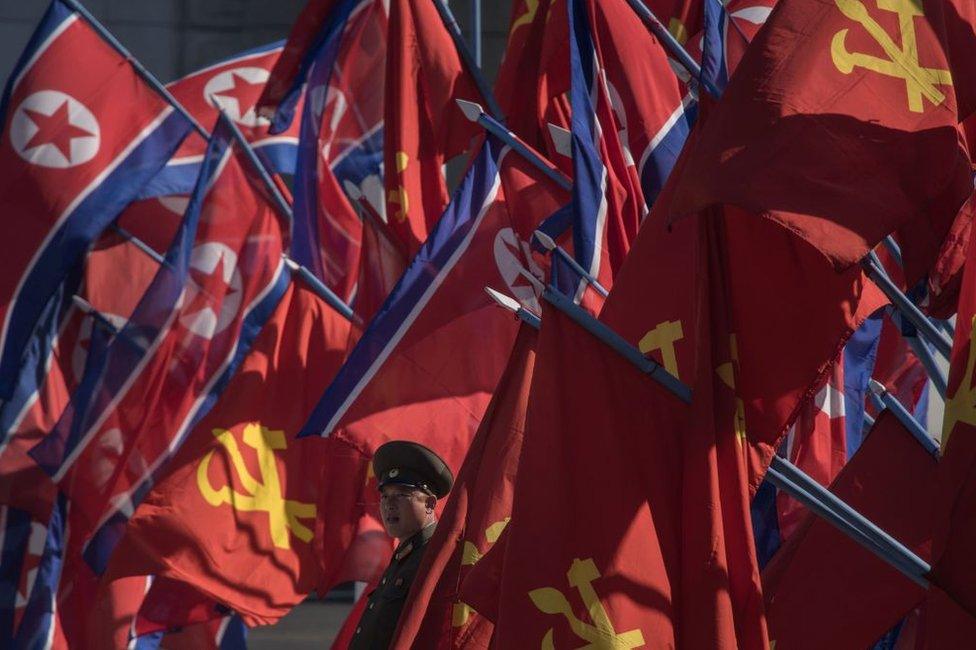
400	463
376	627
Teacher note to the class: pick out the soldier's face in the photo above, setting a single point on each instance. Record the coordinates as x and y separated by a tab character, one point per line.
405	510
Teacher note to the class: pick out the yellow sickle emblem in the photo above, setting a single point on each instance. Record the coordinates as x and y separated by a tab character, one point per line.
261	496
902	61
600	635
961	405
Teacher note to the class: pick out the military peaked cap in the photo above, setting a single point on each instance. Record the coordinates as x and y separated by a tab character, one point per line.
399	462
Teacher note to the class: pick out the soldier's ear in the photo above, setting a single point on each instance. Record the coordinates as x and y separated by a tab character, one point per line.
430	503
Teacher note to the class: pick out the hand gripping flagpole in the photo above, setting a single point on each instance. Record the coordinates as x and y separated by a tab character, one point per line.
781	472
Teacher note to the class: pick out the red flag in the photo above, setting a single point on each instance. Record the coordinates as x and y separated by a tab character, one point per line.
242	472
403	380
477	511
946	273
608	559
822	589
823	94
953	570
424	127
816	443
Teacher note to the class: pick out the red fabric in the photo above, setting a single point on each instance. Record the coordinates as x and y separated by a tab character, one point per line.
235	260
421	392
300	40
423	127
794	134
617	545
536	57
261	559
945	277
789	311
481	586
897	367
822	589
953	570
816	443
477	511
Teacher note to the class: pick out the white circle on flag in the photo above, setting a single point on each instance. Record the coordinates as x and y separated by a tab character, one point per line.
511	256
236	92
217	260
53	129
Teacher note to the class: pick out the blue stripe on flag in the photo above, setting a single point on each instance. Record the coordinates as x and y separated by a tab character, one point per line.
147	324
37	626
589	172
16	534
67	245
336	22
859	357
306	246
57	12
658	160
412	292
37	355
714	66
234	635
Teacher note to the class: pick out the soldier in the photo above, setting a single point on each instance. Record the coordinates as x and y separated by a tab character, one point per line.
411	480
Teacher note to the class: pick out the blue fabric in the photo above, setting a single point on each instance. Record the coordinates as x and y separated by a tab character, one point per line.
37	625
433	261
860	354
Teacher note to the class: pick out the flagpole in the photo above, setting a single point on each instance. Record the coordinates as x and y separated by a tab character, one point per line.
924	355
476	30
671	43
475	113
550	245
874	270
468	59
136	64
784	474
512	305
880	392
317	285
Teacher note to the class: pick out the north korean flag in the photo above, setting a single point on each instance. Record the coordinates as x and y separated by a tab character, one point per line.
341	144
402	379
232	85
75	149
219	282
611	53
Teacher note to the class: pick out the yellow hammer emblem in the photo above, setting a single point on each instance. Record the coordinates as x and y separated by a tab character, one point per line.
470	556
900	61
260	496
600	634
961	405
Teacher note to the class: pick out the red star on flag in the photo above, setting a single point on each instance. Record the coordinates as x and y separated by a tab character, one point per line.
243	92
211	287
55	129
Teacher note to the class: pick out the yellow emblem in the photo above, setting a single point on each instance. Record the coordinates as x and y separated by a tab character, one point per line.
469	556
663	338
398	196
900	61
961	405
726	372
531	7
599	634
260	496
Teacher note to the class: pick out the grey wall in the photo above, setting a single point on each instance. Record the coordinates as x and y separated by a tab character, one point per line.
174	37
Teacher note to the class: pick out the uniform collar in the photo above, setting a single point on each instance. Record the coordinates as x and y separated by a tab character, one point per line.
415	541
